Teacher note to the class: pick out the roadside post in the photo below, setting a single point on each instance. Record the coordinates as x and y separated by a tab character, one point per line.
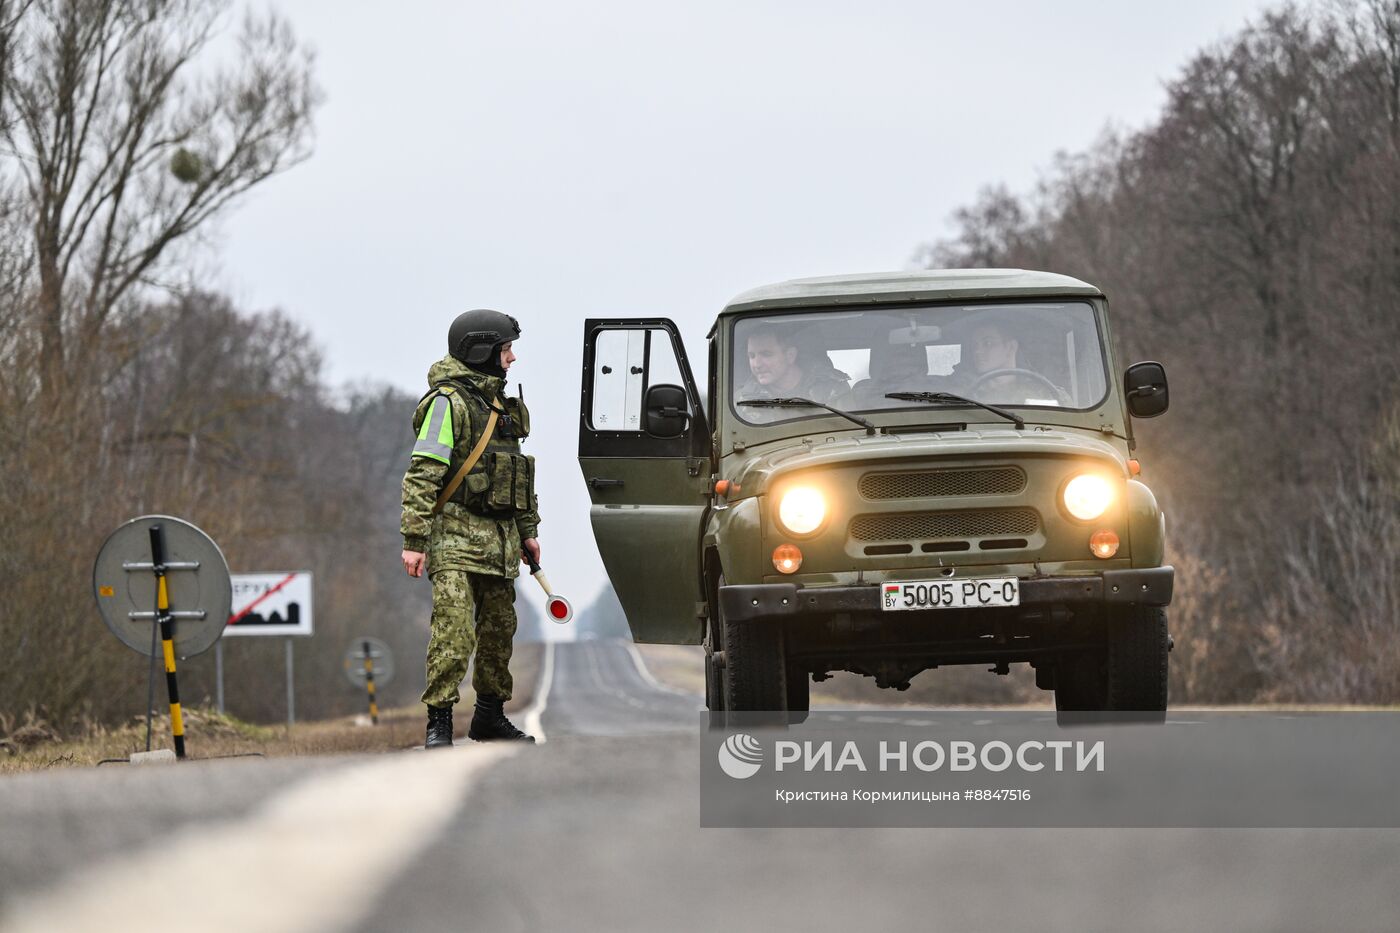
369	662
276	604
167	637
160	575
219	676
369	686
291	689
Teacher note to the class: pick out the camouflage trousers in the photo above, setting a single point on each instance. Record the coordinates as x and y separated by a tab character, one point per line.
472	612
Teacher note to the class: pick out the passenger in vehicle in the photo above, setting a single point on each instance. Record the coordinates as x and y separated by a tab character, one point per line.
778	371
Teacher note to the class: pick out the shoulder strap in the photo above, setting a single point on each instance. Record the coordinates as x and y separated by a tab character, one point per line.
466	466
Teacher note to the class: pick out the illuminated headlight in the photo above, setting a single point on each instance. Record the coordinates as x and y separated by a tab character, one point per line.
801	510
1088	496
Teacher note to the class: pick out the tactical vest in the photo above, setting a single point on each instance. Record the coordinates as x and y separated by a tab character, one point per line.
502	483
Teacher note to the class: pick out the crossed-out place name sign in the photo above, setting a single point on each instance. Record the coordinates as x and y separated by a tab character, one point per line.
270	604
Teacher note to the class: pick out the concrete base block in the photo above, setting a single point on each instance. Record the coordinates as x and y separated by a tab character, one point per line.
160	756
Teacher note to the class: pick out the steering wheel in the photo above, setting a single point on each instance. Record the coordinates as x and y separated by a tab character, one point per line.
995	373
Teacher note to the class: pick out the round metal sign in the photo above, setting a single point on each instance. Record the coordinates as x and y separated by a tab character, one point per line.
196	578
380	657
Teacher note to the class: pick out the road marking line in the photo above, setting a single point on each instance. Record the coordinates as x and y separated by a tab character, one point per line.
647	675
532	713
314	857
591	654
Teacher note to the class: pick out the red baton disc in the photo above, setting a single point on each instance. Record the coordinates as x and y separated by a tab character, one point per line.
559	609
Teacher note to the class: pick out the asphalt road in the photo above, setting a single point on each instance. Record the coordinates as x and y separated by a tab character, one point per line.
598	828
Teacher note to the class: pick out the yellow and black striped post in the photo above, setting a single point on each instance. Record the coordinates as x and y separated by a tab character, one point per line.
167	638
369	685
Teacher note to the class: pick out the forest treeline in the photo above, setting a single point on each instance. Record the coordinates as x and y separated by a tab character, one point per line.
126	388
1249	238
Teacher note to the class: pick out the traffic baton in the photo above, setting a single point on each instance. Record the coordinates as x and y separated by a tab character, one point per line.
557	607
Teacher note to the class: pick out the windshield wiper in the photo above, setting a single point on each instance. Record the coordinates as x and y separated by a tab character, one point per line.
808	403
950	397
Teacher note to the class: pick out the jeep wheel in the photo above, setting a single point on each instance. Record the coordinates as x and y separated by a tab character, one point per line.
714	676
1137	661
1129	678
754	666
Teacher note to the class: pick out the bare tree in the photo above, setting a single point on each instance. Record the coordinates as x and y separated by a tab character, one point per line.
127	136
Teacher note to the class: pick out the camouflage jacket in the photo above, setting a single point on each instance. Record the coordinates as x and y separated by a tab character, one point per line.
459	538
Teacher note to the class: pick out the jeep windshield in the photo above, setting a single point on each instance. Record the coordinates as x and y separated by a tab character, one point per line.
1038	355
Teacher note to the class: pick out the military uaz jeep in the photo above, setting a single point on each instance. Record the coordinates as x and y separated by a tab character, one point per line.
893	472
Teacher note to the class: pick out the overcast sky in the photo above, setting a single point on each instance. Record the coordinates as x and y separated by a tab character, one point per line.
561	160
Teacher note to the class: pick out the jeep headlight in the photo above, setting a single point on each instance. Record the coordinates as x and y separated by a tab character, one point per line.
1088	496
801	510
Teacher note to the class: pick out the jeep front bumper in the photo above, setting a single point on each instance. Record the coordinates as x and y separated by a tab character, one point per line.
1144	587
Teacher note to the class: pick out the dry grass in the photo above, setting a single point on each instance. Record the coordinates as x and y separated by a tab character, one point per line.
34	745
209	734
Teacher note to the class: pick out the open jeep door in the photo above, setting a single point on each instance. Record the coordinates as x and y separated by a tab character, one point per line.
643	446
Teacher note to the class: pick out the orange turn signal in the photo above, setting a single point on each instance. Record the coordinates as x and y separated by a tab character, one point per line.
1104	544
787	558
1134	468
724	487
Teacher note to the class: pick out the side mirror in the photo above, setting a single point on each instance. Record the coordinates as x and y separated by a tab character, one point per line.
1145	389
665	411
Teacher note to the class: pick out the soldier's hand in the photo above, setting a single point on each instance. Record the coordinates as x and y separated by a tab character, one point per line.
413	563
533	546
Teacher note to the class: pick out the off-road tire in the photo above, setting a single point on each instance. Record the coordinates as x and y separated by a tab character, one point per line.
1128	680
714	680
1137	661
754	665
714	655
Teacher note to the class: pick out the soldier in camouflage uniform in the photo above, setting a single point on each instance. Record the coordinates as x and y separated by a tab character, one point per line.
779	372
472	545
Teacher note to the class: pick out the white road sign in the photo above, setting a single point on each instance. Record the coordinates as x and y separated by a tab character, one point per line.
271	604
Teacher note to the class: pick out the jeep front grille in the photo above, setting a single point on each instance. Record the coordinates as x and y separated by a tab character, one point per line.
930	526
999	481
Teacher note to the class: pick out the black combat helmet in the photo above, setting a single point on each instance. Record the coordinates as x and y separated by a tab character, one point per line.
475	336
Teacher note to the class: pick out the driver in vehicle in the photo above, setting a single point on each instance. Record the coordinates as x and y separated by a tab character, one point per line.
992	349
778	372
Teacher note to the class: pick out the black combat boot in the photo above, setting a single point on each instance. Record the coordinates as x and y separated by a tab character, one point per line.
439	727
490	722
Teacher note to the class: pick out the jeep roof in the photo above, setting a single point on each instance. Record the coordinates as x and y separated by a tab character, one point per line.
922	285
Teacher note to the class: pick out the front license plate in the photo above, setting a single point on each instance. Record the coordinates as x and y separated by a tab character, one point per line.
952	594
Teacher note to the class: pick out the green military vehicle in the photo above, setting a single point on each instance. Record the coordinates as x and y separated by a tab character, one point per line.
893	472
